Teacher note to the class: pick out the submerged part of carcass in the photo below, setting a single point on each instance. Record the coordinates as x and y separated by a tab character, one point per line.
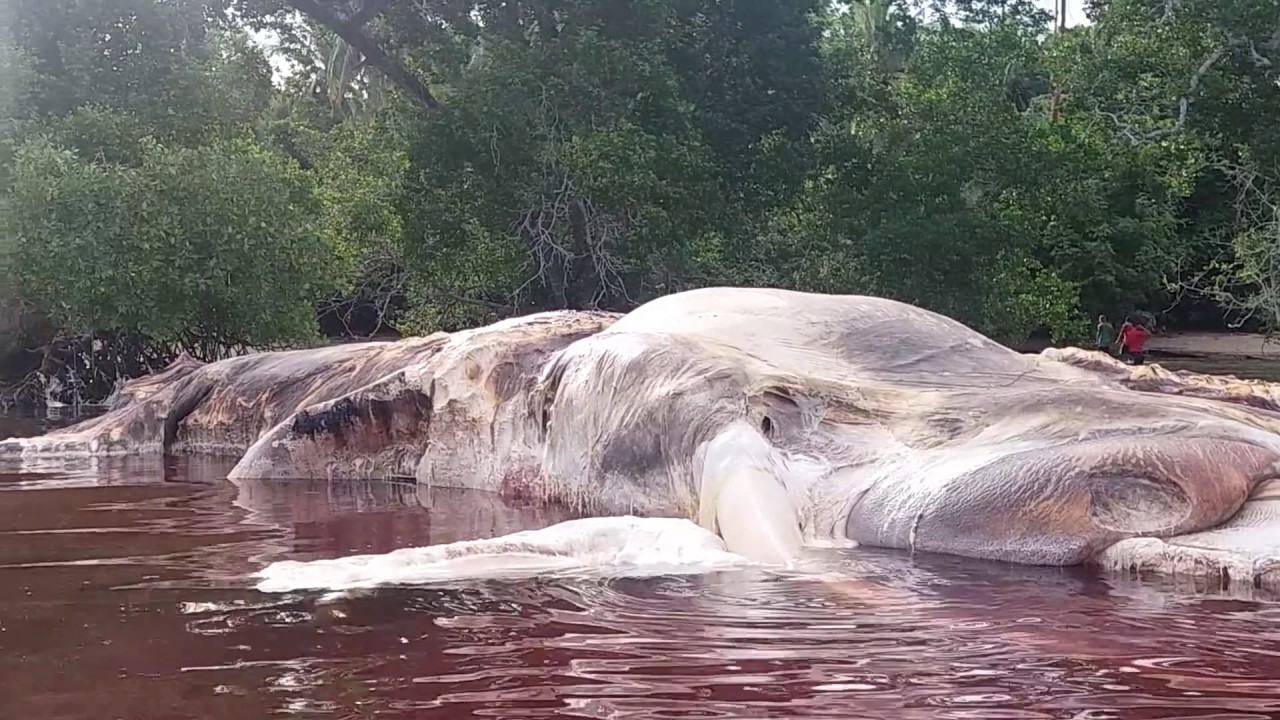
609	546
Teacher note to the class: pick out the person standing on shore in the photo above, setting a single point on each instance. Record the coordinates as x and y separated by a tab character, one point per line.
1133	339
1105	336
1124	329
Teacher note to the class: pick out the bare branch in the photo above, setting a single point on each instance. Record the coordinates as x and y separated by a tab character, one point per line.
1134	136
1245	277
572	243
1259	60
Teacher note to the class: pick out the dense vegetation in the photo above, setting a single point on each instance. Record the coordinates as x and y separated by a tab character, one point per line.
431	165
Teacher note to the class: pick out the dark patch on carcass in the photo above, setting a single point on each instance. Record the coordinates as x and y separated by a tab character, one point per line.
543	401
1258	402
543	385
782	419
340	414
945	427
507	381
518	375
633	454
383	413
543	396
1252	400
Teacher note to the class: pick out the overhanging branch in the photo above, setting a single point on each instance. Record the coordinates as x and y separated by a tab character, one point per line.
352	30
1233	43
1184	103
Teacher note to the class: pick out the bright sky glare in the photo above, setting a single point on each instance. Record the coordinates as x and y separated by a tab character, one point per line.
1075	10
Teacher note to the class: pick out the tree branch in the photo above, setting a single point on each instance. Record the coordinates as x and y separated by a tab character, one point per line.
1260	61
368	11
354	34
1184	103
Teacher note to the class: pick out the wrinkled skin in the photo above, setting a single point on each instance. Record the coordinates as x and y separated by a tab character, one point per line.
775	418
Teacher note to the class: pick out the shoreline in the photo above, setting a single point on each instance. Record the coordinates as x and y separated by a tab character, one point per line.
1193	345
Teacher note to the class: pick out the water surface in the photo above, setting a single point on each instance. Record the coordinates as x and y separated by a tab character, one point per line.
124	593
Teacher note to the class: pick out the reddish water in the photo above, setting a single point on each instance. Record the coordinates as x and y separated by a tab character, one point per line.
123	594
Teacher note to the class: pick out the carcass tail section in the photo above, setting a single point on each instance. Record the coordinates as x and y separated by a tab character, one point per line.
142	426
448	408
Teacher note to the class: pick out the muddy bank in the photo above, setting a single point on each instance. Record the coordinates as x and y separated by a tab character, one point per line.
1243	355
1216	345
1196	345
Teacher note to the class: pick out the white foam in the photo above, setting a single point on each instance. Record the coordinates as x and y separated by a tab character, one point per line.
611	546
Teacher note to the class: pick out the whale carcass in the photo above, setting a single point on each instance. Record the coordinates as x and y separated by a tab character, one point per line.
775	419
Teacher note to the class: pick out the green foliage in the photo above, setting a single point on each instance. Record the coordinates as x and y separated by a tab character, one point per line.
970	164
15	82
221	239
164	62
449	163
577	166
136	199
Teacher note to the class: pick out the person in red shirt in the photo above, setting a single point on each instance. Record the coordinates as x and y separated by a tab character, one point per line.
1133	343
1128	323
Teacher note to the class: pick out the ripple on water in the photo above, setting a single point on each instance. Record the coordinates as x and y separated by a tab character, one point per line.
741	643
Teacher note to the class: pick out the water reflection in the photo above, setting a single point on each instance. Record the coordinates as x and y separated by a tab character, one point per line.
124	593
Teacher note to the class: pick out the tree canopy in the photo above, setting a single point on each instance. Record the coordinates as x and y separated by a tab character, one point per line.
395	165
